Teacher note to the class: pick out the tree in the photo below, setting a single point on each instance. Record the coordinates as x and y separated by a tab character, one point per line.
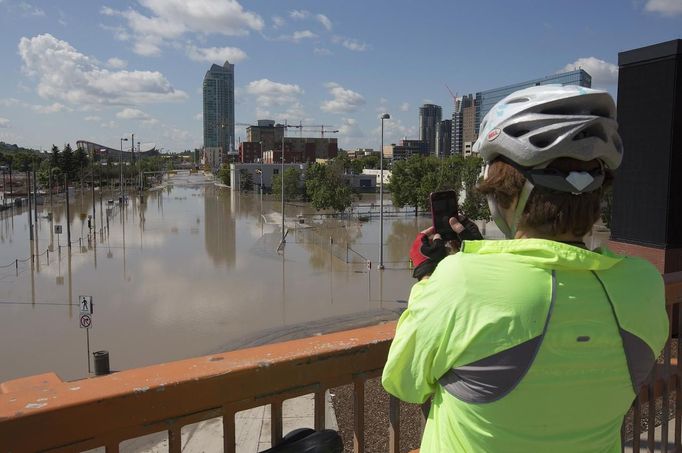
475	206
326	188
245	180
413	180
81	160
68	162
224	175
292	184
55	158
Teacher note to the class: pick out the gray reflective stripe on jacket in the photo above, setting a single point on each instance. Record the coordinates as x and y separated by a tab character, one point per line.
493	377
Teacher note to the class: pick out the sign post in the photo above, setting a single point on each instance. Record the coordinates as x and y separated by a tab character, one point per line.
58	232
85	320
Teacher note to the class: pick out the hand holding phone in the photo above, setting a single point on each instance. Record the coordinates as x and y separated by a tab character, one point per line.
443	207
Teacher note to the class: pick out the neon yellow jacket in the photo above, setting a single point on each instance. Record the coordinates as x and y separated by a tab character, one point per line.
528	345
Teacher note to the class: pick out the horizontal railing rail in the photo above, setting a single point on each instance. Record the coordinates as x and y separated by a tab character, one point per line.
43	413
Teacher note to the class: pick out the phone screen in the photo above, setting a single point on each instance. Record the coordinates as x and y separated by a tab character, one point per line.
443	206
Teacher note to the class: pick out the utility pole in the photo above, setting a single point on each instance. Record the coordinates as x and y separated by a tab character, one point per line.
30	219
35	199
92	184
284	133
68	215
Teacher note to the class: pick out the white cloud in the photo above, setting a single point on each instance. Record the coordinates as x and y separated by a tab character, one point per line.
4	122
351	44
602	72
664	7
278	22
299	14
216	54
404	107
109	125
324	20
350	128
394	131
343	101
52	108
199	116
116	63
323	51
271	93
136	115
274	95
93	118
170	19
67	75
297	36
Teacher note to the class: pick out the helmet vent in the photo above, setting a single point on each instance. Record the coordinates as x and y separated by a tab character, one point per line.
516	130
517	100
592	131
542	140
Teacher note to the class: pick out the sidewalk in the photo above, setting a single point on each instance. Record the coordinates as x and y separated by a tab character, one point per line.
252	429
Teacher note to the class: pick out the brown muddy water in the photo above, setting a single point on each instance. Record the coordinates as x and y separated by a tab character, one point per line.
192	268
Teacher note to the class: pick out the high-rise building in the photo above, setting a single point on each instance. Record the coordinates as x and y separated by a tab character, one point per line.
429	116
470	109
485	100
444	138
219	107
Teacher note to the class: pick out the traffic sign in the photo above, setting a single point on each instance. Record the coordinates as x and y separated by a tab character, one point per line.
85	304
85	321
57	229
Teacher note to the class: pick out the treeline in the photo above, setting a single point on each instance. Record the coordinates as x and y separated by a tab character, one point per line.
75	165
326	187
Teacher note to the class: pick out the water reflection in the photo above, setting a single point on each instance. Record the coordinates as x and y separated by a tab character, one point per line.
181	272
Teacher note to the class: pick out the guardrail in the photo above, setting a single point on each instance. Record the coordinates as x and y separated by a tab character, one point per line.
42	412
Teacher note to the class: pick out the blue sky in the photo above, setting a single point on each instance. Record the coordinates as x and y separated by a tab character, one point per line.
100	70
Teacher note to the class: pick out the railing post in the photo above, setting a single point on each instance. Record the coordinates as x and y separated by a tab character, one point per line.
393	424
320	409
275	422
175	440
229	438
358	414
678	385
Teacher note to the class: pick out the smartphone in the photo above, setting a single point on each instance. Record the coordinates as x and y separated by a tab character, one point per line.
444	206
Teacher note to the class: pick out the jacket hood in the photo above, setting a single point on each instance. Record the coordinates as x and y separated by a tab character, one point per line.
546	254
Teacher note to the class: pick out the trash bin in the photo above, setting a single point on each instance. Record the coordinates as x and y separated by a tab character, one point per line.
101	359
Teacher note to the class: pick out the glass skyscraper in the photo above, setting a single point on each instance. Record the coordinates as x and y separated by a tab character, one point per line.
485	100
219	107
429	117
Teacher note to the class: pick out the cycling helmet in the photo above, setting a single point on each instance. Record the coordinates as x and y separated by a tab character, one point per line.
534	126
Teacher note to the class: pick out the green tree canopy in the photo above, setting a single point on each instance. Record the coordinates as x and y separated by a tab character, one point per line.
245	180
292	184
326	187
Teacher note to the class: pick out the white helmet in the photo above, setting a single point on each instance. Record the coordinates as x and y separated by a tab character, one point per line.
534	126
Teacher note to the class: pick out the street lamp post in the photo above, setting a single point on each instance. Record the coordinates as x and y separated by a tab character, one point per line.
284	133
383	117
120	167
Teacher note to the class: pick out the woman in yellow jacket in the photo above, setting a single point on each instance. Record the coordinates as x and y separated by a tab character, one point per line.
536	343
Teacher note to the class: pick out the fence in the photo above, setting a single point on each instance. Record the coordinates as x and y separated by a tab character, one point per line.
104	411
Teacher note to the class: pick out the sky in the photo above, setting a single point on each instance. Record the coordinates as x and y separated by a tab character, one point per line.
101	70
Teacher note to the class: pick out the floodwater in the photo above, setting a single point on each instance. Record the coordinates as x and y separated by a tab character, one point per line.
191	269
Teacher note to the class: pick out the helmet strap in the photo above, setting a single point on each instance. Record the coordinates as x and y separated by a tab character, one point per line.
509	231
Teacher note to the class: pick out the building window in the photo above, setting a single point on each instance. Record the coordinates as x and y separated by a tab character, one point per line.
275	171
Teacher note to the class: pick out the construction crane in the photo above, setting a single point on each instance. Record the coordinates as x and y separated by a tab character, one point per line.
454	95
323	128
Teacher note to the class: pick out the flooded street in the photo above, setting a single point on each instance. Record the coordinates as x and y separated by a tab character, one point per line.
185	273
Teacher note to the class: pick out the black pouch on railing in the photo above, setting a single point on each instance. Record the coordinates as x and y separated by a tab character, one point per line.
306	440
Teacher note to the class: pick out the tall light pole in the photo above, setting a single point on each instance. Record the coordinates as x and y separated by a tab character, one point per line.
120	167
384	116
284	133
